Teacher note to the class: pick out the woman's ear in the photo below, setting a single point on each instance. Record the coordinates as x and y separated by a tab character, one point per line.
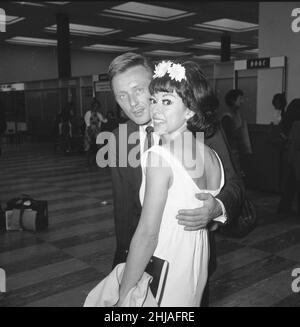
189	114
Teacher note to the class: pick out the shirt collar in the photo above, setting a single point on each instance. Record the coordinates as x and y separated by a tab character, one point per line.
146	125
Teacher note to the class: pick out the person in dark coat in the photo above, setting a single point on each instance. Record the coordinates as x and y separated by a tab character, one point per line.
291	179
236	128
3	126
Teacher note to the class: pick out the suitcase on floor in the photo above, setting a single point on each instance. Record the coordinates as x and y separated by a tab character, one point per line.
26	213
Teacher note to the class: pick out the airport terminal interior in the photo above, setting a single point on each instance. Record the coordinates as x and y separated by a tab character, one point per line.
54	58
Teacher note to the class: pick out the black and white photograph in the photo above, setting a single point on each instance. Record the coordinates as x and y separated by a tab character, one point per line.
149	156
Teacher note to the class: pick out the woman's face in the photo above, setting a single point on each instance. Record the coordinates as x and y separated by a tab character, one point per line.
168	112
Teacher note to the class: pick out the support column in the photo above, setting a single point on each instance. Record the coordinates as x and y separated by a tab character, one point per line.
63	46
225	47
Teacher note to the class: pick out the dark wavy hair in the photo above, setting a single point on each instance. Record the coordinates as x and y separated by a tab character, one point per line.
196	94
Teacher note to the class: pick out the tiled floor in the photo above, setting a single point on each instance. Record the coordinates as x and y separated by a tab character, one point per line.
59	267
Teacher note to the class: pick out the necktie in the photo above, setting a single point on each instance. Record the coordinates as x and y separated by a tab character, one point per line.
149	139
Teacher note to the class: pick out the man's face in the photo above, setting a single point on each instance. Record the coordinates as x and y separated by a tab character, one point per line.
131	90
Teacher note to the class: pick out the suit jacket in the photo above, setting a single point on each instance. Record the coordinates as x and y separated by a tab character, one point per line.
126	184
291	115
294	148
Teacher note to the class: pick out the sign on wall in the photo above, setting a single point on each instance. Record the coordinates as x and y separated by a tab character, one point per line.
101	83
102	86
2	20
12	87
258	63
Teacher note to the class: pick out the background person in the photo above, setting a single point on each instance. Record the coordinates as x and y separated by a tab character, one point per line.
279	104
235	126
65	130
93	119
291	161
3	126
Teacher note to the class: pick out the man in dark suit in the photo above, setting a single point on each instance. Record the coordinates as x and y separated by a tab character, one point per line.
130	75
294	160
291	115
291	180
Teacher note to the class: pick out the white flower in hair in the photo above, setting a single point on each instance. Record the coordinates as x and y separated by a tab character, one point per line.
177	72
161	69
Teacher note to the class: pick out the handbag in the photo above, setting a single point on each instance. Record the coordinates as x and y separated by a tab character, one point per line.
158	269
26	213
247	220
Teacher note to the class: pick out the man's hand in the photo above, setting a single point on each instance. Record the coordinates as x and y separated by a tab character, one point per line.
195	219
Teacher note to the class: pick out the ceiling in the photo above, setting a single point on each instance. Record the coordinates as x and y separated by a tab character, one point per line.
127	24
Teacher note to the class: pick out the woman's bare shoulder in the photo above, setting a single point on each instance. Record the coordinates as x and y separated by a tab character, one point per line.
210	157
212	168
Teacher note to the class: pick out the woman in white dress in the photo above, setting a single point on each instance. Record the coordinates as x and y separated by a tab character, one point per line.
180	98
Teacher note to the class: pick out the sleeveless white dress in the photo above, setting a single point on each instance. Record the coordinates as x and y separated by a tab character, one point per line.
186	251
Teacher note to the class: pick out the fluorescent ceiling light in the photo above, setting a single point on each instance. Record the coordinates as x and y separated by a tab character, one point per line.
61	3
231	25
216	45
108	48
166	53
206	30
34	4
32	41
77	29
138	9
211	57
125	18
13	19
208	57
254	51
159	38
